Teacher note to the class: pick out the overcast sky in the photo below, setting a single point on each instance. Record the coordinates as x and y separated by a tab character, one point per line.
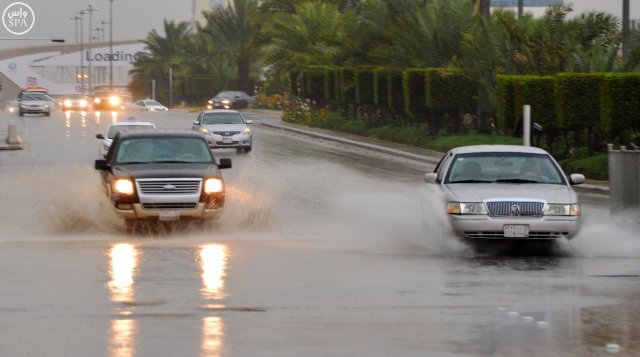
134	19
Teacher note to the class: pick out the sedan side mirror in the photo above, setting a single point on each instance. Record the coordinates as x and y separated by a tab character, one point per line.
576	179
196	123
224	164
431	177
249	121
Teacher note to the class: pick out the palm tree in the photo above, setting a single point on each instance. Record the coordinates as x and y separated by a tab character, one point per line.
233	30
314	34
165	52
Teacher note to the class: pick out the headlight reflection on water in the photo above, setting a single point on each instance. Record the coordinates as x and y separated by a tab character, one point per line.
213	262
123	333
123	264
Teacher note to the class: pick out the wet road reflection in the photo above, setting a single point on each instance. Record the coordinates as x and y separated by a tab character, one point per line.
213	262
122	268
212	336
123	333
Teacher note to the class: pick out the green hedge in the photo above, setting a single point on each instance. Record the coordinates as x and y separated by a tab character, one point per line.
578	100
413	89
364	82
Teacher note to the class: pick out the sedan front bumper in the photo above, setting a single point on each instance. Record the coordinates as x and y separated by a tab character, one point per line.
478	227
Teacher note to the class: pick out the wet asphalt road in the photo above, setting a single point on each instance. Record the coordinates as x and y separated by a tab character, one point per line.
320	252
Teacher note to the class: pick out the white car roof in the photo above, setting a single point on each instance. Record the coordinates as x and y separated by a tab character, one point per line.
498	148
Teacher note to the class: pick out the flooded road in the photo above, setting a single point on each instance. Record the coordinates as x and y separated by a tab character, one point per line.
320	251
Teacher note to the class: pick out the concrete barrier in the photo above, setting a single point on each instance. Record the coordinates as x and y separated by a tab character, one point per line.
13	141
624	182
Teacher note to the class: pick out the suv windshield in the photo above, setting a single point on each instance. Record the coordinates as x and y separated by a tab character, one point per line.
163	149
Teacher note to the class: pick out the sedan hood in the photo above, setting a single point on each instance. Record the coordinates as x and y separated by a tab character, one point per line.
479	192
224	127
162	170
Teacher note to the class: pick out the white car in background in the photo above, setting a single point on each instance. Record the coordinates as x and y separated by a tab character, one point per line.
149	105
507	192
113	129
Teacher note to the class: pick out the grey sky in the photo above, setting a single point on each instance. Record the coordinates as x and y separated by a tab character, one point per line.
133	19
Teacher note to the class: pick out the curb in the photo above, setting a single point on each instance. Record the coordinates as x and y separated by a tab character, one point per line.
583	188
378	148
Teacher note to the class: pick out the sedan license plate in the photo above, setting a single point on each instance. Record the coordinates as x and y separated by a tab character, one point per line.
516	230
169	215
227	140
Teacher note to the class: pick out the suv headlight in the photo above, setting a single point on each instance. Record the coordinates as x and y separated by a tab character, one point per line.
466	208
213	185
554	209
123	186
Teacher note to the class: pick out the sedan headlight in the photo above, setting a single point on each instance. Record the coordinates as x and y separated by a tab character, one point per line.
554	209
213	185
246	131
225	101
205	131
466	208
123	186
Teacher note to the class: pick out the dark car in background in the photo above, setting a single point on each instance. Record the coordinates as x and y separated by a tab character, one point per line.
160	175
230	100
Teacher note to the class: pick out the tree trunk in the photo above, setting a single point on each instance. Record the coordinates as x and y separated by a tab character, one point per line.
243	75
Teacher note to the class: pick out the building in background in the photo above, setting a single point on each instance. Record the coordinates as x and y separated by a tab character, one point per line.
58	68
205	5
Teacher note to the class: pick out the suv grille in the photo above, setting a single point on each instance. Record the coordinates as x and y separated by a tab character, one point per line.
188	205
169	186
515	208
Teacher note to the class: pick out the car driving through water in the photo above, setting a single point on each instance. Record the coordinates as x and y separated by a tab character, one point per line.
507	192
161	175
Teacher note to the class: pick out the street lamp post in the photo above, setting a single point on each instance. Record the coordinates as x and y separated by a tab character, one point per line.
81	13
75	22
90	10
110	44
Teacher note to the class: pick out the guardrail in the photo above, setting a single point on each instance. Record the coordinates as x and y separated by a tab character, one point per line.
624	182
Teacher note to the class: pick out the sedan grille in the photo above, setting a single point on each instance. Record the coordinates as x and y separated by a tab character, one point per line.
226	133
169	186
515	208
500	235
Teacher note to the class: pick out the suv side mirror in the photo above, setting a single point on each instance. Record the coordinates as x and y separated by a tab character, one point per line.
224	164
99	136
101	165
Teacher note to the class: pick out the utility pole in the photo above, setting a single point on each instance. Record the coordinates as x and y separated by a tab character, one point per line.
81	13
90	10
520	8
625	28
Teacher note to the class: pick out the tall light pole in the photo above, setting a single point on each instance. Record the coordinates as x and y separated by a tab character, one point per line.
110	44
625	28
90	10
81	13
75	23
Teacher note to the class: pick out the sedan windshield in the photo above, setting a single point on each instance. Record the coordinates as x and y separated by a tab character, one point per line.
167	150
504	167
34	96
222	118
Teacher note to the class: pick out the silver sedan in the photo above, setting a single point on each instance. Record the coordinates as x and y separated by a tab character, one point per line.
225	128
507	192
